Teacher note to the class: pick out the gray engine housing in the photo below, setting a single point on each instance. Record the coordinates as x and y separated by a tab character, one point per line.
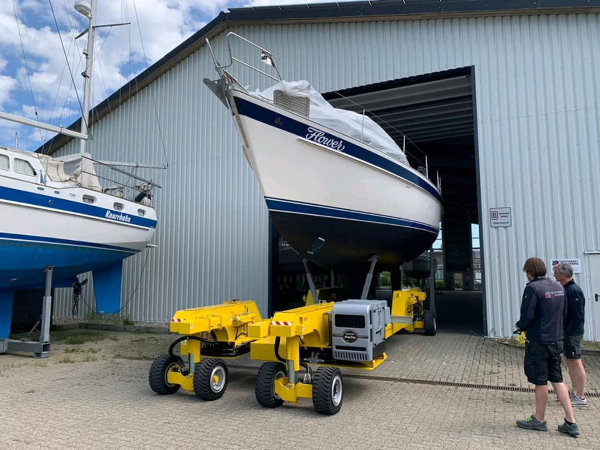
358	329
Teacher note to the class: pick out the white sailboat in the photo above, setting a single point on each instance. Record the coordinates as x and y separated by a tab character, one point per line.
338	188
59	221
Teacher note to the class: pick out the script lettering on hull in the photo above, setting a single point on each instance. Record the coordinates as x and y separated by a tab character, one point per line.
319	137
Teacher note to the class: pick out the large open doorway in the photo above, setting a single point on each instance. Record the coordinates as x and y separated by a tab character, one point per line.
432	117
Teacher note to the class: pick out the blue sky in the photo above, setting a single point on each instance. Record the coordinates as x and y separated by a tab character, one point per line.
35	80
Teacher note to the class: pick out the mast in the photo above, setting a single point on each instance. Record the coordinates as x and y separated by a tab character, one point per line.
90	13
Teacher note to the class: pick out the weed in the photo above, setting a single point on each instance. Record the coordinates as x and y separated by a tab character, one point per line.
73	350
77	336
66	360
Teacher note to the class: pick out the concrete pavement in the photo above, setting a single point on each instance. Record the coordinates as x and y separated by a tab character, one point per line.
447	391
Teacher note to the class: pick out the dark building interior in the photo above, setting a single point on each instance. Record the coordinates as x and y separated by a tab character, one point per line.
431	117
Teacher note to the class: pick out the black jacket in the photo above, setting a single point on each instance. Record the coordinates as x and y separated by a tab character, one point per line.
575	310
543	311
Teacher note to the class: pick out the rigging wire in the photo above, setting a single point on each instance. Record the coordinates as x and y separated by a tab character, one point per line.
137	285
59	84
26	67
162	141
393	127
98	62
67	61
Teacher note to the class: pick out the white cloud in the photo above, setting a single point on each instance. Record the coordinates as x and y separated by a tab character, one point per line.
289	2
43	75
7	84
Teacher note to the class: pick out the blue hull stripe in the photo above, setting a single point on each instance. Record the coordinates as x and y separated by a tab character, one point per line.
56	241
288	206
59	204
274	119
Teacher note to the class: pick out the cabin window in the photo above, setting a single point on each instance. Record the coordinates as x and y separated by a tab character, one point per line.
88	199
23	167
141	212
118	206
4	162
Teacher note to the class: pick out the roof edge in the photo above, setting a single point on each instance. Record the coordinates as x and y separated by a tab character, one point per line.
360	11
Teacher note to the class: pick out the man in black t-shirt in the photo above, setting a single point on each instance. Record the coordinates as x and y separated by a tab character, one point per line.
543	309
563	272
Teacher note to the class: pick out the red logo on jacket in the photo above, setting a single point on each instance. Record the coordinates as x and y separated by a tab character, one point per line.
548	295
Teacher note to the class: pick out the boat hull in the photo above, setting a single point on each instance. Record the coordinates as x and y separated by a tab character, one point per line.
23	262
48	229
336	201
348	244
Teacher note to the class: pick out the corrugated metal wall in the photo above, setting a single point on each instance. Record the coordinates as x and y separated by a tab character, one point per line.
537	100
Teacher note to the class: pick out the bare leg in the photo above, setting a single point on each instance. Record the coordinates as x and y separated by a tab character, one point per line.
541	401
577	375
563	396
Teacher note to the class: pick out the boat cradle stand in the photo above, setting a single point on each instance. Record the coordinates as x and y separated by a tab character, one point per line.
41	348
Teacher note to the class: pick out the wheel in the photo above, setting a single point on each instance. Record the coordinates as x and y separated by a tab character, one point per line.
158	374
210	379
264	387
430	324
328	392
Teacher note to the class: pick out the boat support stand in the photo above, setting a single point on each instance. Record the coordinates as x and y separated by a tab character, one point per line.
311	282
369	279
40	349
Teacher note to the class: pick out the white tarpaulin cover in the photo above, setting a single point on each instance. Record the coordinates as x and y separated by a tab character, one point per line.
77	168
352	124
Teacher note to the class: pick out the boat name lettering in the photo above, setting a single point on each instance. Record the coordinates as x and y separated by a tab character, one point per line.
319	137
119	217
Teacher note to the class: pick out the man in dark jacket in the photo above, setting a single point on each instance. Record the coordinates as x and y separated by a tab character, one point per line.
543	310
563	272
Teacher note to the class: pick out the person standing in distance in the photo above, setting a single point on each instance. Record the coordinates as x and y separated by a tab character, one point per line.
563	272
543	310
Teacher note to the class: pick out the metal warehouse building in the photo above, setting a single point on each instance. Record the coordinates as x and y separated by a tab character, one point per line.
501	96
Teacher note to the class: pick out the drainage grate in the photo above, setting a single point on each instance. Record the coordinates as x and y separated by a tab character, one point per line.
432	382
454	384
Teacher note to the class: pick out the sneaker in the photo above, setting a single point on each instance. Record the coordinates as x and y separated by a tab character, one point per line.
577	401
572	429
531	423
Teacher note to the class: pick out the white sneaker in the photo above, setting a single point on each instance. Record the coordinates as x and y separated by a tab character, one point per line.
577	401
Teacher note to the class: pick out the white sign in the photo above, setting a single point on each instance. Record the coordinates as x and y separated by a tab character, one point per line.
576	263
500	217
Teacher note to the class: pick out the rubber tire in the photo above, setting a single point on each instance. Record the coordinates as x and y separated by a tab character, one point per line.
204	387
157	377
264	386
430	323
328	390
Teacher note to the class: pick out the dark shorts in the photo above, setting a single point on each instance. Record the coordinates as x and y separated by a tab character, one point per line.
573	347
542	363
